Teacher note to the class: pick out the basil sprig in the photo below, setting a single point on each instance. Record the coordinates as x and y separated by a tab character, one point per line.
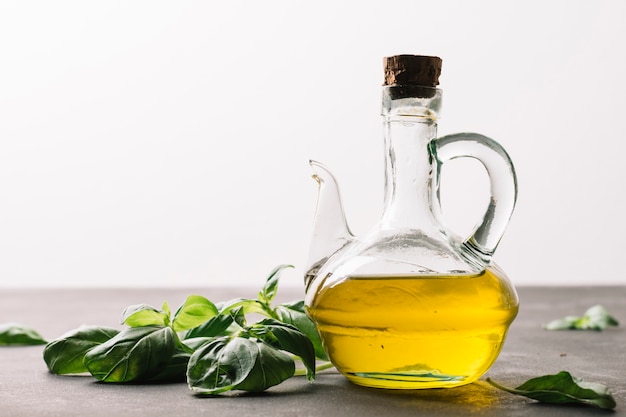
563	388
210	345
595	318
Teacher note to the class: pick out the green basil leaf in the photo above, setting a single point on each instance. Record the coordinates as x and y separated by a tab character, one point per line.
195	311
195	343
239	316
270	368
175	370
65	354
220	365
217	326
165	309
563	388
144	315
238	363
600	318
565	323
288	338
269	290
247	306
595	318
135	354
19	334
294	313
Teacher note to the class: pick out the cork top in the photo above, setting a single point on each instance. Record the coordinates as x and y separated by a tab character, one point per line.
415	70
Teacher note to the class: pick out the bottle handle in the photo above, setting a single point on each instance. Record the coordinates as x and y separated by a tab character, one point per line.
486	236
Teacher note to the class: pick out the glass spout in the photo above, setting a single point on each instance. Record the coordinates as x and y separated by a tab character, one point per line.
330	228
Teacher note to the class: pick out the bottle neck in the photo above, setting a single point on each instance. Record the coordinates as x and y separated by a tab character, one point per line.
410	125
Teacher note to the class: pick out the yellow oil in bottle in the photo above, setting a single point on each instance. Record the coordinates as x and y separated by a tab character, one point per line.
413	332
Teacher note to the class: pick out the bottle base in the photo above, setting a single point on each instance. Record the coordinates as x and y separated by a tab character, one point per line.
412	380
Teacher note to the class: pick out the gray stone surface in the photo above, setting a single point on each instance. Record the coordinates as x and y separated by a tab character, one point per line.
27	389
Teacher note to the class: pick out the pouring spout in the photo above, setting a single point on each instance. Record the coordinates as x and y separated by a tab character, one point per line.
330	228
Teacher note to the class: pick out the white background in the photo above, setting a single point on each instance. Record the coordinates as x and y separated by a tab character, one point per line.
150	143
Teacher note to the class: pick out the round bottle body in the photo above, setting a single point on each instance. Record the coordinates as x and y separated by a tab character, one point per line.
411	332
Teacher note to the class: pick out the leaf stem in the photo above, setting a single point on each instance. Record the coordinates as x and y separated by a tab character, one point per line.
503	388
302	372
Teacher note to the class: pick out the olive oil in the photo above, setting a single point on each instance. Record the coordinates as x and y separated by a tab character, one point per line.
415	331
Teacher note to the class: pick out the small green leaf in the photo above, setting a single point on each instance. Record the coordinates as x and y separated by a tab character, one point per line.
288	338
247	306
135	354
563	388
294	313
165	309
269	290
237	363
217	326
195	311
239	316
144	315
195	343
19	334
565	323
599	316
65	354
595	318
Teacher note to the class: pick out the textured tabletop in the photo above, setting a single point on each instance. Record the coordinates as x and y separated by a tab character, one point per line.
27	389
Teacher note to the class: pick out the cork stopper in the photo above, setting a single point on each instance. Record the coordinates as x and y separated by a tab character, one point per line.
418	70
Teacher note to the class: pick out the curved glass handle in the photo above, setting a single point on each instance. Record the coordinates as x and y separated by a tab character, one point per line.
487	235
